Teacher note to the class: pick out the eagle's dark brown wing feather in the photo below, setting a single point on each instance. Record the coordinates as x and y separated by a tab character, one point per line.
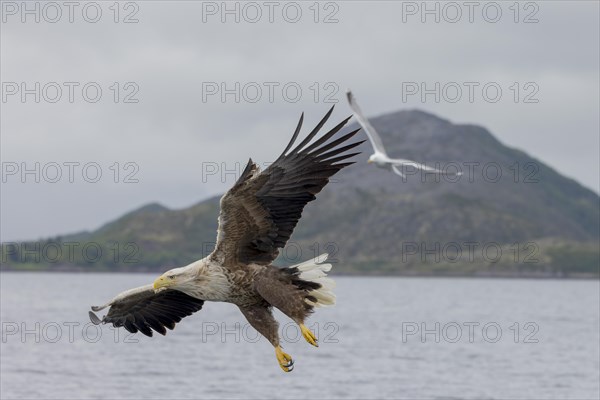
259	213
143	310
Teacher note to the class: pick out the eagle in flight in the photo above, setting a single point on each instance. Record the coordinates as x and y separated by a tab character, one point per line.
258	215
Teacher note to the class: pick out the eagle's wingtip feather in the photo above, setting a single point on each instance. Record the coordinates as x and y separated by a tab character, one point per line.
94	318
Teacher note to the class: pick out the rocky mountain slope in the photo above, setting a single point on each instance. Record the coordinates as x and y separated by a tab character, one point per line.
507	215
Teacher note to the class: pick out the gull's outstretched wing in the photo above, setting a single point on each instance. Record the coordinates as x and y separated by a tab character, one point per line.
398	164
259	213
397	171
142	309
366	125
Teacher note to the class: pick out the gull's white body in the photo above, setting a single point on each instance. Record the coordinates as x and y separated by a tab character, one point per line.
380	157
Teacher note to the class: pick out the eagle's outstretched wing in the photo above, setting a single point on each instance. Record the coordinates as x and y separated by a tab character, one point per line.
259	213
142	309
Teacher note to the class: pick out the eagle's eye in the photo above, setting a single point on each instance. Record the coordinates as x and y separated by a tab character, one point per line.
171	276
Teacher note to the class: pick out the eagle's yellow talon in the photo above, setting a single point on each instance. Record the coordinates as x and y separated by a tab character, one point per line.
308	335
285	360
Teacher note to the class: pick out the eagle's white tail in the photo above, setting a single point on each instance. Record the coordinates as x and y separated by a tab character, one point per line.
315	271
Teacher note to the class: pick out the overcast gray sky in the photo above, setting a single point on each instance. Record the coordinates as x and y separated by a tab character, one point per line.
178	57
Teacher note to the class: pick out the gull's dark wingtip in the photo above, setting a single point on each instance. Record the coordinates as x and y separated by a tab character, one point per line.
349	96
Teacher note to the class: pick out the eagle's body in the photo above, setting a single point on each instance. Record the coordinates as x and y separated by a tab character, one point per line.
258	215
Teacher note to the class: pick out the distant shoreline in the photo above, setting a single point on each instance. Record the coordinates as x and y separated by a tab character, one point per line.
377	274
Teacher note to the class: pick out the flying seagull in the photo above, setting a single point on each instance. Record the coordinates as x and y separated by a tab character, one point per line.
380	157
258	215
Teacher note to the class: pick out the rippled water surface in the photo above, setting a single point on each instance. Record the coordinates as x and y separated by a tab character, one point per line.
386	338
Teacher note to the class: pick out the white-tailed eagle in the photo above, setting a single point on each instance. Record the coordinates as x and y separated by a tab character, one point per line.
258	215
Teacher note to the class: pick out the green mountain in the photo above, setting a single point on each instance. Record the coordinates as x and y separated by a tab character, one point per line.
507	215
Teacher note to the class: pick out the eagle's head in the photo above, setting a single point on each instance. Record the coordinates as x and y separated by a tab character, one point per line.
200	279
176	278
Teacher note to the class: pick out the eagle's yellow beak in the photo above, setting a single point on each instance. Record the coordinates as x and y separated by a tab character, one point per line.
160	282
